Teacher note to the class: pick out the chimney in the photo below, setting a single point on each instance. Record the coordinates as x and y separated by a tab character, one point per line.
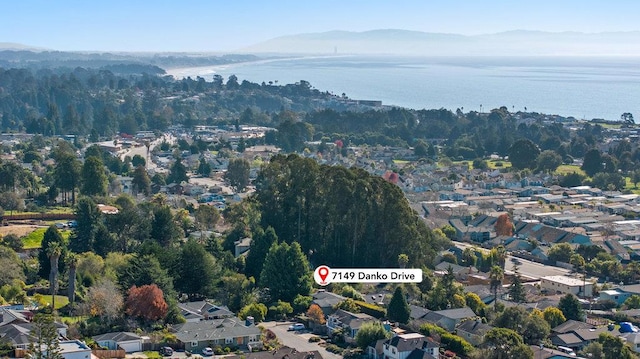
249	321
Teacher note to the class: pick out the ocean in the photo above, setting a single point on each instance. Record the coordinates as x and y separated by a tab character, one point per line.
583	87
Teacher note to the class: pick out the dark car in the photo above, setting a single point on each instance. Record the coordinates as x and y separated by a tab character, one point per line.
166	351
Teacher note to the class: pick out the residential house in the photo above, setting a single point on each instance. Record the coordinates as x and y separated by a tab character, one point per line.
349	322
203	310
16	326
73	349
242	246
404	346
564	284
129	342
473	331
327	300
578	338
633	340
228	332
449	318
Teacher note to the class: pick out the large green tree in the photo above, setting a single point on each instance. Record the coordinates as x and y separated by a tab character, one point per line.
260	245
198	272
398	309
592	162
46	340
286	272
94	177
141	182
238	173
369	333
177	172
51	235
87	217
523	154
571	307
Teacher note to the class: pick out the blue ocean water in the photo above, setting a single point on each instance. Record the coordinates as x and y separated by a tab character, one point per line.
583	87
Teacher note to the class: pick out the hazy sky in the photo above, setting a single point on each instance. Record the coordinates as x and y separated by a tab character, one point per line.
225	25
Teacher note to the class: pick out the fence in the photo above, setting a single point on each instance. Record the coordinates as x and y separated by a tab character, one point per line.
107	354
37	216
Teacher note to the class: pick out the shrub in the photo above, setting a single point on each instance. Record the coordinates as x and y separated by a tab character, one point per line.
371	309
314	339
456	344
332	348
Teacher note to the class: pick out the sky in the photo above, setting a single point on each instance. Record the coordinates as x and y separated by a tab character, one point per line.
227	25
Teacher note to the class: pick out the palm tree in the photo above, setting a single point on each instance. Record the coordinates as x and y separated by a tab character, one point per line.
72	262
53	252
496	275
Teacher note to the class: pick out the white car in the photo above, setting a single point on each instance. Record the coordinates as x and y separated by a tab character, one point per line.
207	352
296	327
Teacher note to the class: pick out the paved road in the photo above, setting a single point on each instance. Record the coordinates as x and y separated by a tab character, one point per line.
297	340
525	267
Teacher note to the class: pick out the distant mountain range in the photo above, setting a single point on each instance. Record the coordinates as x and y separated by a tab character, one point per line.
18	47
403	42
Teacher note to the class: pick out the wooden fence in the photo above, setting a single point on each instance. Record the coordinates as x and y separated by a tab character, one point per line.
108	354
37	216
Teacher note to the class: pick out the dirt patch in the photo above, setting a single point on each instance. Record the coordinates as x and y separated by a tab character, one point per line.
18	229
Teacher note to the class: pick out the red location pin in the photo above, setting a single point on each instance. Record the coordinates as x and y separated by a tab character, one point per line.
323	273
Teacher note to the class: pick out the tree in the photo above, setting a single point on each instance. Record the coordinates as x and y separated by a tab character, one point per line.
12	241
94	178
164	229
370	332
535	330
315	314
614	347
506	344
627	118
206	216
593	162
103	300
553	316
87	218
53	252
197	271
238	173
146	302
177	172
516	289
348	305
286	272
504	226
280	309
571	307
398	309
403	260
421	149
548	161
495	280
204	168
11	267
474	302
560	252
11	201
67	171
593	350
577	262
523	154
46	342
51	235
138	160
633	302
141	182
256	310
469	257
72	263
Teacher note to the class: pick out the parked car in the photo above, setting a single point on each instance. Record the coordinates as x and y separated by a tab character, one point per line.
166	351
207	352
296	327
61	225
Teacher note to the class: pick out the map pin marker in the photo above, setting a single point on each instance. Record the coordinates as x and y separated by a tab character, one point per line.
323	272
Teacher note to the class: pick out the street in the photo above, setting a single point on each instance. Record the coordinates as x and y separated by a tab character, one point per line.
297	340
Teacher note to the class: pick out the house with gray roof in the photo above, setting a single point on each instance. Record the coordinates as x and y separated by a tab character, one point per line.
327	301
349	322
228	332
128	341
203	310
473	331
282	353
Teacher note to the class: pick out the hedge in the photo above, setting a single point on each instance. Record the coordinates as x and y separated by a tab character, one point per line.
371	309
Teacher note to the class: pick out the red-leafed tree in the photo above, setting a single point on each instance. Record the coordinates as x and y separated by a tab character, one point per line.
504	226
146	302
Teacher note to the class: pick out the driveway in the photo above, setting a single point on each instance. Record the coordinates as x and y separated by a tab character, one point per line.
297	340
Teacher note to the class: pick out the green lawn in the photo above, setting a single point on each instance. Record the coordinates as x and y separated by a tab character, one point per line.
401	162
53	210
33	240
61	300
569	169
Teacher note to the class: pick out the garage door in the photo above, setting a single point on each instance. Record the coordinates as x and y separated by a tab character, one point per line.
131	347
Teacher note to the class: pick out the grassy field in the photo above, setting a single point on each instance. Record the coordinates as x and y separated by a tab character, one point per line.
569	169
493	164
34	239
61	300
53	210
